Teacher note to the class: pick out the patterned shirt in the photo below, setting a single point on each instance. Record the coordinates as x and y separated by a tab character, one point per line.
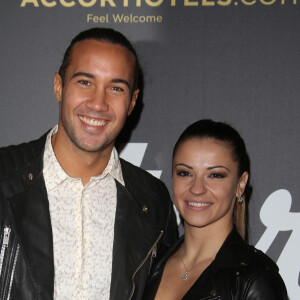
82	219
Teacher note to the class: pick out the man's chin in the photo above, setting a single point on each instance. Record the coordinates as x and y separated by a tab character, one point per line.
91	148
94	147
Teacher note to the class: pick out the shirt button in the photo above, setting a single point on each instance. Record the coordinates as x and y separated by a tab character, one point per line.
30	176
145	209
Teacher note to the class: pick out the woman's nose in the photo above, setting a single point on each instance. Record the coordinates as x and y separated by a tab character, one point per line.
197	186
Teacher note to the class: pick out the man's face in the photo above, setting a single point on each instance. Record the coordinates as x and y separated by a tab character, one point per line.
97	95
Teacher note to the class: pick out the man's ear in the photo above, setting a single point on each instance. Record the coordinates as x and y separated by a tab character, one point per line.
133	101
57	88
242	184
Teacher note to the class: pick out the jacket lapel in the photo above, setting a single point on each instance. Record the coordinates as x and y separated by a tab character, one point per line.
31	217
234	253
133	239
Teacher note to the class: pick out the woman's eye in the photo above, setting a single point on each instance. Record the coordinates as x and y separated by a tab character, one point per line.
216	175
183	173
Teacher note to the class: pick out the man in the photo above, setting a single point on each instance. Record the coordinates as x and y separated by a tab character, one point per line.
76	221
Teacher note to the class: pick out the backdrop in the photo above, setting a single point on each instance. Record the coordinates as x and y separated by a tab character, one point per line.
229	60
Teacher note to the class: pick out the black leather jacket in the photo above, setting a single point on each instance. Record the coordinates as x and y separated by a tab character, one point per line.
239	272
144	224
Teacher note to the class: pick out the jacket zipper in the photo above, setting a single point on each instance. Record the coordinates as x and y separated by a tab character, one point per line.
151	252
4	246
153	255
13	271
5	241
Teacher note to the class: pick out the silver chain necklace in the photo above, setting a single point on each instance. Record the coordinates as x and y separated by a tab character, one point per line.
185	275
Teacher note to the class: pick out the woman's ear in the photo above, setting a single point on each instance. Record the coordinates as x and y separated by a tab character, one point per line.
242	184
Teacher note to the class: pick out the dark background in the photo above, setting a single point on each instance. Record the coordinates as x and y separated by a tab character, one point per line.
237	63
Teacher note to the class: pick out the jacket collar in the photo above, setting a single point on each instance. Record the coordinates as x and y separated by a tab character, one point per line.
234	252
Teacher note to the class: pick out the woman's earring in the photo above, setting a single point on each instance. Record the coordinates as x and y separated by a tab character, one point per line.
240	199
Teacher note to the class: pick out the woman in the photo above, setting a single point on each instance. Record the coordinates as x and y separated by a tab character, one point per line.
212	260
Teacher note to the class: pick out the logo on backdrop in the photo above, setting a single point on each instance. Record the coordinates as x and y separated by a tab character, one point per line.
152	3
134	153
275	214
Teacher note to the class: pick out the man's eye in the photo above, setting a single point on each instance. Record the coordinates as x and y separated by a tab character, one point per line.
84	82
117	89
183	173
216	175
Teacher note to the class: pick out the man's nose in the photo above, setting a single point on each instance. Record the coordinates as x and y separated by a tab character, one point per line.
98	100
198	186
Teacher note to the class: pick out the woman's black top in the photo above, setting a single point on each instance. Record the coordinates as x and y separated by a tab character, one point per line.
239	272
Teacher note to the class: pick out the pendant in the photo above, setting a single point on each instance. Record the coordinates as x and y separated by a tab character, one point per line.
184	276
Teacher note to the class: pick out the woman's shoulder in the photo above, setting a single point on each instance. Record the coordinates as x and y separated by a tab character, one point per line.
259	268
238	255
260	261
254	273
260	278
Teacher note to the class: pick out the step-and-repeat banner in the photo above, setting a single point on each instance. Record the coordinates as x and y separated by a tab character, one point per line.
229	60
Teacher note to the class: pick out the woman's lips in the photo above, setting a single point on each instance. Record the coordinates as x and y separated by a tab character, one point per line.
198	204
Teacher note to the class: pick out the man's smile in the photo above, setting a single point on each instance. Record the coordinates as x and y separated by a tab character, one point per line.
92	121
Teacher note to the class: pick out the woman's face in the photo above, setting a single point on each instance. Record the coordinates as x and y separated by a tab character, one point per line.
206	182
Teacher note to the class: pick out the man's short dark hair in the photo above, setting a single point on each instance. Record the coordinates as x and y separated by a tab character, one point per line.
106	35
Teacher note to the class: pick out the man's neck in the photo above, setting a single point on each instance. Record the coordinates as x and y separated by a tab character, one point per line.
78	163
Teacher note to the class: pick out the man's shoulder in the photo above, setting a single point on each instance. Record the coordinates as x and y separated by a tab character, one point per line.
150	192
141	178
16	158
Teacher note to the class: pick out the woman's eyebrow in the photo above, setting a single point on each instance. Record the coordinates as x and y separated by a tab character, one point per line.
216	167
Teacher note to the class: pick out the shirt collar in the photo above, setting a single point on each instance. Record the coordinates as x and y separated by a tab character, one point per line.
113	168
53	172
55	175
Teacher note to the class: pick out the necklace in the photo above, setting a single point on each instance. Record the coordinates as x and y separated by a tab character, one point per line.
185	275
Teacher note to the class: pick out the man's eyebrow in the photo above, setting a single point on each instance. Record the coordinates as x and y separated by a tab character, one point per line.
119	80
184	165
84	74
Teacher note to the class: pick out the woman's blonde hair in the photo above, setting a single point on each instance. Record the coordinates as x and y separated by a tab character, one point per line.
239	217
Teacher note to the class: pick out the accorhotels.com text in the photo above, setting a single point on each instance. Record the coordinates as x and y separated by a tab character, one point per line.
152	3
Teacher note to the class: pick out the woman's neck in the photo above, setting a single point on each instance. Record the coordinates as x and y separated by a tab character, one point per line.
203	243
